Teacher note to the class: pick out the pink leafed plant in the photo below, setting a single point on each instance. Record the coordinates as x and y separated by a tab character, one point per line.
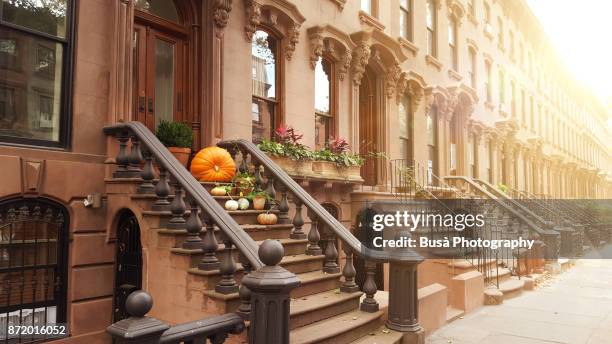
286	134
339	145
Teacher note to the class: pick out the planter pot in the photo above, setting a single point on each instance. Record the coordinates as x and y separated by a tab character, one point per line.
181	154
242	186
293	167
259	203
325	169
351	172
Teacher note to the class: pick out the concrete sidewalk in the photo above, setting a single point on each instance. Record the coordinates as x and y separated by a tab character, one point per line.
574	308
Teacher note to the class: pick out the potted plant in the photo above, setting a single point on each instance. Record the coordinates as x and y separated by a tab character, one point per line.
287	151
258	199
178	137
243	183
336	161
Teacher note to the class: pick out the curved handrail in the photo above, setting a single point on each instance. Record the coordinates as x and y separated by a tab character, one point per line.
229	227
322	215
500	194
513	211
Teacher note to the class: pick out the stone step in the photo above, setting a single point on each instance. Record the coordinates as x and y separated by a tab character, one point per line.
298	264
453	313
175	237
511	288
381	335
244	217
312	308
310	283
344	328
504	274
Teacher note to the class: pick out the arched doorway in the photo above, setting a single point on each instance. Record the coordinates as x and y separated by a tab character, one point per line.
165	61
369	121
33	262
128	262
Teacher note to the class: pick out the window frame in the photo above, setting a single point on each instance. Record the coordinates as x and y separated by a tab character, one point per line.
407	100
432	45
408	33
64	141
278	79
333	97
453	27
473	67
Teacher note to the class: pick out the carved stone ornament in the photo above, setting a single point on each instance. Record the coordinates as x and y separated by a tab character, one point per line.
253	12
345	64
393	77
416	94
362	55
221	11
316	47
293	38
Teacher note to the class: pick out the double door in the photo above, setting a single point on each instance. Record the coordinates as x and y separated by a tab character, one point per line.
160	68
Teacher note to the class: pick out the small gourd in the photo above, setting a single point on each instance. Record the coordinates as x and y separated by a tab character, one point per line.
231	205
218	191
267	219
243	203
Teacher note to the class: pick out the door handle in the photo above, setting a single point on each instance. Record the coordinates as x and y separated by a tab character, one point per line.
150	103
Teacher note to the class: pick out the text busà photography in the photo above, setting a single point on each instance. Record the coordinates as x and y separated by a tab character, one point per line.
395	171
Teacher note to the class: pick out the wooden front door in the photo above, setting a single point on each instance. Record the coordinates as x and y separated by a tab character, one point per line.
368	126
160	70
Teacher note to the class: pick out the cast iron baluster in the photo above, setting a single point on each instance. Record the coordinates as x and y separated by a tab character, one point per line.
349	272
270	190
177	207
244	292
122	158
147	175
209	246
283	206
331	255
233	150
162	189
244	163
218	338
227	284
298	222
135	157
258	176
313	236
194	227
369	304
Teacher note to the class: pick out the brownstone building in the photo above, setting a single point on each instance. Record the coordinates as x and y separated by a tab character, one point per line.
459	88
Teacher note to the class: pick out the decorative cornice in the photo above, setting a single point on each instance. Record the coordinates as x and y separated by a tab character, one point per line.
340	3
362	55
221	10
367	19
316	45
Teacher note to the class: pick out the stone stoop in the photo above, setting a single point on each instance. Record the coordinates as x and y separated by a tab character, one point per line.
319	312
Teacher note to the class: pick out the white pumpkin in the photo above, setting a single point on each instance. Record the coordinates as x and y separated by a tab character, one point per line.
231	205
243	203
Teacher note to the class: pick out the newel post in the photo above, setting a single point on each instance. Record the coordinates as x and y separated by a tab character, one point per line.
138	328
403	309
270	287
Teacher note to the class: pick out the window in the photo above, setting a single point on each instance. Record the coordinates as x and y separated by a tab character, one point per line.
511	37
472	66
405	128
489	82
512	99
33	263
523	108
531	114
471	8
406	19
161	8
500	34
34	77
264	107
432	150
431	28
522	55
324	102
487	19
452	42
502	87
366	6
488	158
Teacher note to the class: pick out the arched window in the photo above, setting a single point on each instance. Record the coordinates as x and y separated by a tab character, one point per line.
487	19
33	262
432	23
489	81
264	107
35	72
405	128
452	42
500	33
473	67
432	150
502	87
161	8
324	102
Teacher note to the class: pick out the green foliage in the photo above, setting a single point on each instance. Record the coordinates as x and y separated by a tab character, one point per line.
174	134
254	194
344	159
502	187
295	151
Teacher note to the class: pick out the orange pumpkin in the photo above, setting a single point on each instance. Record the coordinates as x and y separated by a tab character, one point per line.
213	164
267	219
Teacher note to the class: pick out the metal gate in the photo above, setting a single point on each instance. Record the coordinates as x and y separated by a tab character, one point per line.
33	263
128	268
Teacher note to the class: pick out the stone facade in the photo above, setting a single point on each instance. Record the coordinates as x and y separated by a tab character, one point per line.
534	130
